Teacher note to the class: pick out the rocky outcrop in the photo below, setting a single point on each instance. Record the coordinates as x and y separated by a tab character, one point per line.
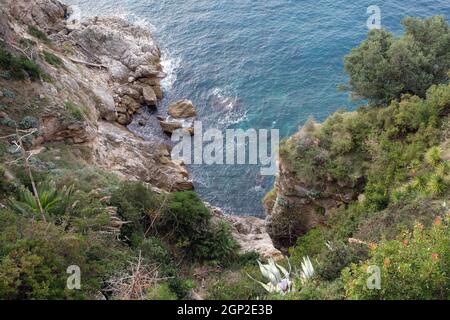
109	69
47	15
131	57
182	109
118	150
250	233
181	116
297	204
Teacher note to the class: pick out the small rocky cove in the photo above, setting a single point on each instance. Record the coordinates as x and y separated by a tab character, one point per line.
113	69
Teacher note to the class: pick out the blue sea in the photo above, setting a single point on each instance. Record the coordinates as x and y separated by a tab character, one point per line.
255	64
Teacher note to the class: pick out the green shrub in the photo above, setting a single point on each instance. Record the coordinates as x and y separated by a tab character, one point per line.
384	67
216	244
28	122
315	290
139	205
38	34
77	112
332	261
52	59
186	218
309	245
18	67
35	257
155	250
415	266
237	285
161	292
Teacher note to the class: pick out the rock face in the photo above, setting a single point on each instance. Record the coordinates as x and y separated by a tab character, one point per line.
296	205
131	56
120	151
111	69
181	115
182	109
250	233
47	15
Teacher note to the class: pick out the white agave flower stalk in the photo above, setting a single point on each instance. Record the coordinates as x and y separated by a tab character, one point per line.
279	278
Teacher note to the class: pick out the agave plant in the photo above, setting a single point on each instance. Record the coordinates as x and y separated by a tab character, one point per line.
49	197
307	270
279	278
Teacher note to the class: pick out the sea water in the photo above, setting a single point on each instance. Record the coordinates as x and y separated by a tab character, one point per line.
255	64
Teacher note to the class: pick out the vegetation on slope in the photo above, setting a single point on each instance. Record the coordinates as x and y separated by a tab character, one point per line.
398	147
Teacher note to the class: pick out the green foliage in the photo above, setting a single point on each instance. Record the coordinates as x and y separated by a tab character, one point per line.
28	122
315	290
34	257
187	217
18	67
38	34
308	245
139	205
216	244
334	259
384	67
27	204
415	266
161	292
188	223
77	112
52	59
237	285
433	156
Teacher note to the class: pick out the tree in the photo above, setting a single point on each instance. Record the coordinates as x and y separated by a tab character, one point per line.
384	67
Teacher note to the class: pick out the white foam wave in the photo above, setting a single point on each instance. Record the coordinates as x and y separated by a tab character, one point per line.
170	67
227	104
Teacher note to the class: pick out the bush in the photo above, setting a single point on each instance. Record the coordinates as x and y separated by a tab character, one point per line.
52	59
38	34
415	266
332	261
384	67
161	292
138	204
310	245
186	218
18	67
155	250
236	285
28	122
35	257
216	244
76	112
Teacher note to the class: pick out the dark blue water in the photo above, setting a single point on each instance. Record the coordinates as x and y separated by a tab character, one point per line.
257	64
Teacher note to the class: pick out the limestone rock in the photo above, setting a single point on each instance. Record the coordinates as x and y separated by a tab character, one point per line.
105	104
250	232
170	127
47	15
182	109
149	96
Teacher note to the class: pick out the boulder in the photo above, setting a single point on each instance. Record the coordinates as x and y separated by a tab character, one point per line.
47	15
182	109
105	104
150	97
169	127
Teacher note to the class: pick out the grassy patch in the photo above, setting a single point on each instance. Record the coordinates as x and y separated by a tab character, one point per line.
38	34
77	112
18	66
52	59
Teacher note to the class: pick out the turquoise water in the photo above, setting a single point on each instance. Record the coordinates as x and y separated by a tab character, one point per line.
256	64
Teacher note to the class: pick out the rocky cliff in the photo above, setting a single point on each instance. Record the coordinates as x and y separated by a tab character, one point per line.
304	197
96	75
93	76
